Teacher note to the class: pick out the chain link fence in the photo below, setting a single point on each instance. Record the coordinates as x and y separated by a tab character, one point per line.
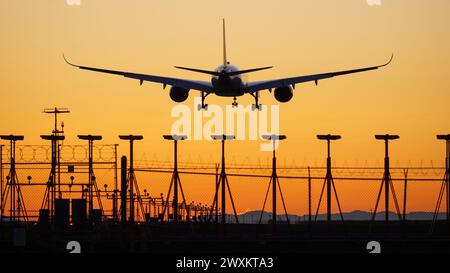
417	188
33	171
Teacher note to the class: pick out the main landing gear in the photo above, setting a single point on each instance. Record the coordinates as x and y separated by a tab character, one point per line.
203	105
235	104
256	105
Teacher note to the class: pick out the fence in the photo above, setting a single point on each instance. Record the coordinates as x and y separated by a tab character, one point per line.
417	187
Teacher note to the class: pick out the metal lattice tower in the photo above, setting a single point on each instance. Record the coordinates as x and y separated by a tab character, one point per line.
13	186
92	183
50	191
55	111
132	182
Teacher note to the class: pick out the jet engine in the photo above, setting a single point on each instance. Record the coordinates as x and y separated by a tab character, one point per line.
284	93
178	94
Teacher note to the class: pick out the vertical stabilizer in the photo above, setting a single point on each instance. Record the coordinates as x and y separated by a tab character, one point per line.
225	61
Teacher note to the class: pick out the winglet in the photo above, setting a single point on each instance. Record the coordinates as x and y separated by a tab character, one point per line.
69	63
390	60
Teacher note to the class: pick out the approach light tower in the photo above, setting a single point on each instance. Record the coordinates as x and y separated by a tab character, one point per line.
55	111
50	191
223	182
13	187
274	182
93	188
387	180
132	182
329	182
445	188
175	181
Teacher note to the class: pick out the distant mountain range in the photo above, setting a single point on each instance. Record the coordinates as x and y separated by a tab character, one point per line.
252	217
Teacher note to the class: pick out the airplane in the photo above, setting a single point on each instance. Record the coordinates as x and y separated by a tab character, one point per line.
226	81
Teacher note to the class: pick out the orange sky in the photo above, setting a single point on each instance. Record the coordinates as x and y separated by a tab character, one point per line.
408	98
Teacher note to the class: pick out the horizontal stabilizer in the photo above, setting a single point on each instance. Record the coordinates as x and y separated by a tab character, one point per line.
231	73
239	72
214	73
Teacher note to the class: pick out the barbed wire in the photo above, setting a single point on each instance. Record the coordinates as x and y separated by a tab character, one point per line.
68	153
39	154
351	171
306	177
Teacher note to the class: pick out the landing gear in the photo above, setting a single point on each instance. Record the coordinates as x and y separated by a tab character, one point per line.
256	105
234	104
203	105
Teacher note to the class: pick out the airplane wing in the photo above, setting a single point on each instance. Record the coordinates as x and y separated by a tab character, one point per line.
261	85
188	84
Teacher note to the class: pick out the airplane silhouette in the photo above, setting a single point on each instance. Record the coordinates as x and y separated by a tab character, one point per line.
226	81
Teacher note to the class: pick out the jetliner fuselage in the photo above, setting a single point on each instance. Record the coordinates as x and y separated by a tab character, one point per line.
225	85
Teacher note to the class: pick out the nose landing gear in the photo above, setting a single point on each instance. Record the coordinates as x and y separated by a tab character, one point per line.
203	105
234	104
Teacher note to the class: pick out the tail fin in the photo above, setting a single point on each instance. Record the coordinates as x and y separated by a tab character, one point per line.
225	61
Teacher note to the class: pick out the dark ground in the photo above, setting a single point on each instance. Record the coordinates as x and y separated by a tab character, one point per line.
410	237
